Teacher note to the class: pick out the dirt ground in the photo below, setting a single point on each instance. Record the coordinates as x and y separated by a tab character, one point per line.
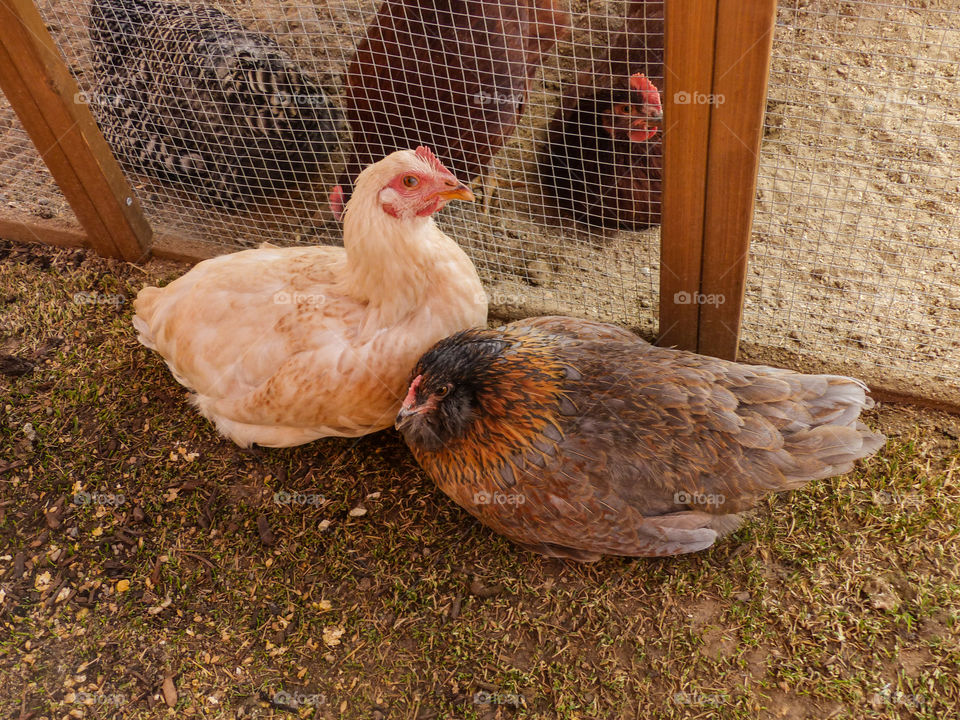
150	569
855	253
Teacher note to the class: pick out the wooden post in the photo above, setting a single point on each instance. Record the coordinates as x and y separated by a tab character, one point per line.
740	73
688	75
707	219
45	96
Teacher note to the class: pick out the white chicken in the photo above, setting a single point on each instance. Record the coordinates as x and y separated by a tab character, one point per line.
282	346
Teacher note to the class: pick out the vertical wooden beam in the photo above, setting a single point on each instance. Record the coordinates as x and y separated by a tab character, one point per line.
45	96
688	77
717	65
741	70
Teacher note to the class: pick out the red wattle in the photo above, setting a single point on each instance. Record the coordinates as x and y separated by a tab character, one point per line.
337	201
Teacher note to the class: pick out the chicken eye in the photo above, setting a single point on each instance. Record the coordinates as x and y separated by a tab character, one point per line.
410	181
442	392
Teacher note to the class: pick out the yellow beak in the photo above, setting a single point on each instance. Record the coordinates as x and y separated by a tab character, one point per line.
461	192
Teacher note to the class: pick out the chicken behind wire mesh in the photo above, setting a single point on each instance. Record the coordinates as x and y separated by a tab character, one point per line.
598	173
451	74
189	96
577	439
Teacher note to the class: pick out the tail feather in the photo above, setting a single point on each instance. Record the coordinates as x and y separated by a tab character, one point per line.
841	402
836	438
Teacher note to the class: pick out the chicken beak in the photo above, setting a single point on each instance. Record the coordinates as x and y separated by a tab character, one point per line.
404	417
460	192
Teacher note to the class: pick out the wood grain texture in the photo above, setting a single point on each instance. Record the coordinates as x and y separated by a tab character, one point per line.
741	69
44	95
171	247
688	72
25	229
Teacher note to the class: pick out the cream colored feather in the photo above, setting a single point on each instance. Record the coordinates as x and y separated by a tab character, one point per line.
281	346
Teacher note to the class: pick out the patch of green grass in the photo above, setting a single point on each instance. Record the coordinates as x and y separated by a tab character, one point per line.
838	600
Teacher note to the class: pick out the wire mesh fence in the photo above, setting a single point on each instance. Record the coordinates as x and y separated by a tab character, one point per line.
28	191
855	254
220	114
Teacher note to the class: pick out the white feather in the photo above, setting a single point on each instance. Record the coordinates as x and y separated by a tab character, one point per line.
285	345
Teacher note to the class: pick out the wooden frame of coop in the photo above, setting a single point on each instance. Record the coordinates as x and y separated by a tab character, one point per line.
714	49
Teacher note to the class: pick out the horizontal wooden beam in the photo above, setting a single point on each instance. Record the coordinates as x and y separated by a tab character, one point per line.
46	98
171	247
28	230
25	229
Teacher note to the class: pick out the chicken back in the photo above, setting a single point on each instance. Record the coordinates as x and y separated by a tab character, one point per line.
594	163
451	74
578	440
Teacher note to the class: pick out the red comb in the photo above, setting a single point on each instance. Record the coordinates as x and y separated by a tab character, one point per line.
641	83
412	392
425	153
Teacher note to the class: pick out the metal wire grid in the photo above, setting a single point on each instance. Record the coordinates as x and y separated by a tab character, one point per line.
27	189
532	257
854	257
855	254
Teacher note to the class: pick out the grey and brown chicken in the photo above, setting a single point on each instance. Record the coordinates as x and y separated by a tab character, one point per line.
577	439
187	95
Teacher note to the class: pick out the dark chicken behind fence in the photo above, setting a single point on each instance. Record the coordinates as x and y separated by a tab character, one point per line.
602	160
451	74
576	439
189	96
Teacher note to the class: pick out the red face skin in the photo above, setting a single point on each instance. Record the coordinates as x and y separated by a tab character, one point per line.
410	406
638	120
418	192
413	406
424	192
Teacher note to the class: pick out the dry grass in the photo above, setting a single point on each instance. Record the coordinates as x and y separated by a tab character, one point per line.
840	600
